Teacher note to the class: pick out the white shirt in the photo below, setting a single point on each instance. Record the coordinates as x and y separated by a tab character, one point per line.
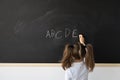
77	71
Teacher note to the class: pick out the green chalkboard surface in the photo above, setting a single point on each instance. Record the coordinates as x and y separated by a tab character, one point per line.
36	31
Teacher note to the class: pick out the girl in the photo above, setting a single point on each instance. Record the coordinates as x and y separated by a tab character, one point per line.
78	60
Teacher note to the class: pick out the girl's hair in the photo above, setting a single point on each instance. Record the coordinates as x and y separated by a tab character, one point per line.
67	59
89	57
78	52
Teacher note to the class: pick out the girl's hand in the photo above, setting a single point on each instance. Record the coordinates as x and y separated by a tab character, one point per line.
81	39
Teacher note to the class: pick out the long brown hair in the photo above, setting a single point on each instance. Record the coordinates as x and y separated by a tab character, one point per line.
67	59
89	57
78	52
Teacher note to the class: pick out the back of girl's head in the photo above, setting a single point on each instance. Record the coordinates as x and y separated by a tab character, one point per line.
84	53
71	53
76	49
78	52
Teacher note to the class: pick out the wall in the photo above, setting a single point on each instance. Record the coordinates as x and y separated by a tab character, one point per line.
53	72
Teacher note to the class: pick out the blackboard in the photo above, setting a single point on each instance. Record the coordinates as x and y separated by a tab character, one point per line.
36	31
